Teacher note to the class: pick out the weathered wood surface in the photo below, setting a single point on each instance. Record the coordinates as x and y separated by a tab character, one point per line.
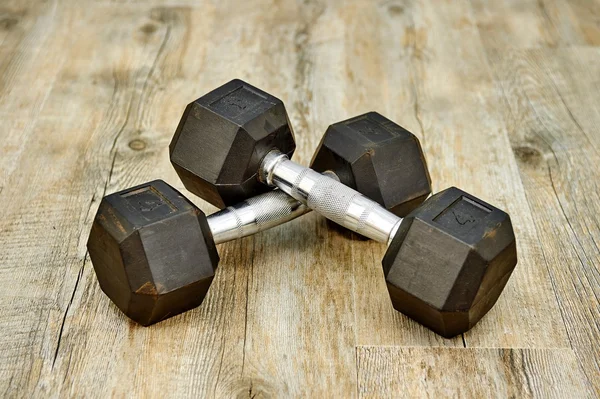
503	95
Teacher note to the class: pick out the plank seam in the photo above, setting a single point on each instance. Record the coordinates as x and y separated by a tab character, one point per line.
160	51
248	280
571	116
64	318
356	363
417	103
583	265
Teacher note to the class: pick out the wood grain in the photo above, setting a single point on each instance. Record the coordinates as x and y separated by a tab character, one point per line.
503	96
555	152
477	373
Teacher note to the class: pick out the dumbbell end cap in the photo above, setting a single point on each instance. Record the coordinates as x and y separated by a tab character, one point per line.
222	138
152	251
378	158
449	261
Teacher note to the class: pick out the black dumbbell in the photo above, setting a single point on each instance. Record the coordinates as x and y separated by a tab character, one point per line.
447	262
154	251
223	137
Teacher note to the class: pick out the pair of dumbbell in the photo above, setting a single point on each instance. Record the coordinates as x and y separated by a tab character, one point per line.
154	251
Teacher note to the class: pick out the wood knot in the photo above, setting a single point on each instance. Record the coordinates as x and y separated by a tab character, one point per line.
148	29
528	155
395	10
8	23
137	144
253	389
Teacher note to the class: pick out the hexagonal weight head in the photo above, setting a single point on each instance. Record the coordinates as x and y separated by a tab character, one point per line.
378	158
152	252
449	261
222	138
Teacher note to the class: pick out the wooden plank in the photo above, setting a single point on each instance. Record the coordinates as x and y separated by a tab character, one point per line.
469	372
90	93
376	80
62	176
554	135
95	339
587	14
461	105
543	23
159	3
225	338
31	53
452	104
295	295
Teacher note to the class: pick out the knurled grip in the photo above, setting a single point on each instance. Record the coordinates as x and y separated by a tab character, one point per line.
275	208
332	200
349	208
254	215
329	197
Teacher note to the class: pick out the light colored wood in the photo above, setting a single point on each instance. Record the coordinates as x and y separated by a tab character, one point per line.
458	102
452	104
555	137
471	373
503	96
543	23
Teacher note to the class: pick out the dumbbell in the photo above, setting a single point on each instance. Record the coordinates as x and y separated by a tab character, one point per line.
447	261
223	137
154	251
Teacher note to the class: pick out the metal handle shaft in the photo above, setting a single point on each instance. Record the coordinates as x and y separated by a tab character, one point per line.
254	215
329	197
300	191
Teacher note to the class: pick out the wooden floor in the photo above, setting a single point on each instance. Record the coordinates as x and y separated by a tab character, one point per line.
504	96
